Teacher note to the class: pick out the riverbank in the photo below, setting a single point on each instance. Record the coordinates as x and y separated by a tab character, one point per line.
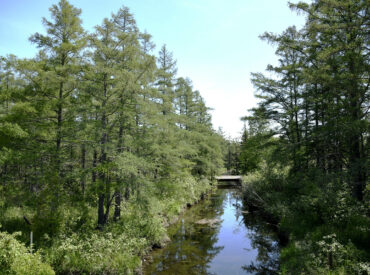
170	221
317	239
119	248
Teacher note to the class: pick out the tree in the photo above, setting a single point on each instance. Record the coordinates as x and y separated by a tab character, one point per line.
340	28
60	67
166	73
281	99
92	123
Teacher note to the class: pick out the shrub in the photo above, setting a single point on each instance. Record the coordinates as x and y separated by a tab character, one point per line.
16	260
97	253
326	256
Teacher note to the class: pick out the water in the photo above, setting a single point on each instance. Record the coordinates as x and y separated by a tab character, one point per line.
241	243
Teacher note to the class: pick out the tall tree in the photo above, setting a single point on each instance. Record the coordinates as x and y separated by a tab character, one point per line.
341	29
61	49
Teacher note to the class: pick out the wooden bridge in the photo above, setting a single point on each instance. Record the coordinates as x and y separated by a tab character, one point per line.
229	180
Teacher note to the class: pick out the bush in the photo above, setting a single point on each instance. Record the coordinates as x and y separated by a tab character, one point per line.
116	250
97	253
327	256
15	258
328	229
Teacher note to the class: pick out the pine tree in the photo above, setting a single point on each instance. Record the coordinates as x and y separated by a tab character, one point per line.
340	27
60	67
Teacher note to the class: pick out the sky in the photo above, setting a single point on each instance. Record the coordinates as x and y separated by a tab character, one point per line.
215	42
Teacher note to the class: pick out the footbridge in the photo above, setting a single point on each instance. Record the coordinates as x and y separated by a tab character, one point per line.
229	180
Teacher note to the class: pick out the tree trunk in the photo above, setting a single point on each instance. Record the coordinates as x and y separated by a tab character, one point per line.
83	164
118	195
117	206
103	180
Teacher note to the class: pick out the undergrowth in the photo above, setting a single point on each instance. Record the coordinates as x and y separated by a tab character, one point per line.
77	247
328	230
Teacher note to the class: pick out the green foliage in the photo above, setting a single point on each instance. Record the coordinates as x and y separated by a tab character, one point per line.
16	259
309	174
96	253
118	248
327	256
101	145
328	231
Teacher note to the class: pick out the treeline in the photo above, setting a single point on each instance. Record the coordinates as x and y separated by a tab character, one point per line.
94	130
306	151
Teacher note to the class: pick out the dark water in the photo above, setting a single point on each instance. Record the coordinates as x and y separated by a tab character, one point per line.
242	243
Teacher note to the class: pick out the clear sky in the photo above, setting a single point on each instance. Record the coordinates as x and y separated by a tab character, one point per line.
215	42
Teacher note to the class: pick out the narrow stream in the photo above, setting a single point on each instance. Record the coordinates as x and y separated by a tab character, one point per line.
237	242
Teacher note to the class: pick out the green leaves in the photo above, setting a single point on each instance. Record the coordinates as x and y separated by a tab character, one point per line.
11	130
129	164
312	175
15	259
91	124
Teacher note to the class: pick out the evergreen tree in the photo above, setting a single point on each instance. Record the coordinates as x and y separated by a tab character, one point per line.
60	68
340	27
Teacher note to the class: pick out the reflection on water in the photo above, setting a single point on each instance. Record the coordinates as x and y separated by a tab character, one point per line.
240	244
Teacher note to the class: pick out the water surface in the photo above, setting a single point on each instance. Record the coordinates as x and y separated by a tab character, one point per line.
242	243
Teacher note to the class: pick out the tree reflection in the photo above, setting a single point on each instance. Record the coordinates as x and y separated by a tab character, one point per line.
264	239
193	246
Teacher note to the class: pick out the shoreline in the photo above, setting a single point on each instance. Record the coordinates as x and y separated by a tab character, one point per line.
146	258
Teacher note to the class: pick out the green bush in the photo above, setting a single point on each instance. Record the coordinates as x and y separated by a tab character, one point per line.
97	253
16	260
328	230
327	256
117	250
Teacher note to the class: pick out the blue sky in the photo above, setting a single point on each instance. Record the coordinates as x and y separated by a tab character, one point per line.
215	42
